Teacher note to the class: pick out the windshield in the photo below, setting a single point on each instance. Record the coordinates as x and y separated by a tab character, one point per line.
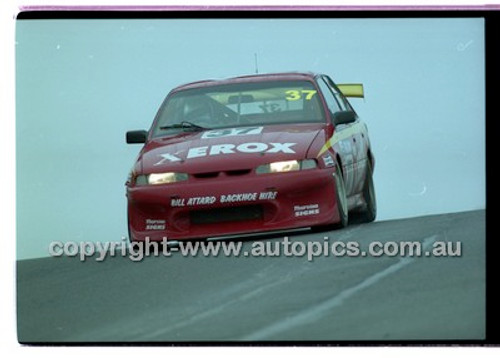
242	104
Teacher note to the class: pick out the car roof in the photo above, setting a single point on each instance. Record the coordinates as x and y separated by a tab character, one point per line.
288	76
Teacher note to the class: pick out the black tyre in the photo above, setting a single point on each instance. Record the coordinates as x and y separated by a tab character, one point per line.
369	213
341	199
341	206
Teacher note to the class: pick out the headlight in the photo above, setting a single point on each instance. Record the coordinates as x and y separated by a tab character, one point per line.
160	178
286	166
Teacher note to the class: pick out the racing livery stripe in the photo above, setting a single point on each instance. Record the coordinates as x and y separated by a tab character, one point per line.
341	135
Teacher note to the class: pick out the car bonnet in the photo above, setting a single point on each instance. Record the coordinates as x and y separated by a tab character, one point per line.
228	148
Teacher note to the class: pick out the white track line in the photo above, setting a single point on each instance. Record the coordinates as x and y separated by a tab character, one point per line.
314	313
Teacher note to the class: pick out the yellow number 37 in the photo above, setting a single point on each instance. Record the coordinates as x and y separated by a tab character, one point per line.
295	95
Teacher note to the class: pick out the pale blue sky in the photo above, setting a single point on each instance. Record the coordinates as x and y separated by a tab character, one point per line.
81	84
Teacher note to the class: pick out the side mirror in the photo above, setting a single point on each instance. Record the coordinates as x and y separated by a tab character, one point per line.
343	117
134	137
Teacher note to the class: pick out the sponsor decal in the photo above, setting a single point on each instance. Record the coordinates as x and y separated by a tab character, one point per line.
153	224
306	210
252	147
219	149
328	160
231	132
193	201
237	198
168	157
226	198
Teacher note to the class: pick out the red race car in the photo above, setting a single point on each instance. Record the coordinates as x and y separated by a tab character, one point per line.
251	154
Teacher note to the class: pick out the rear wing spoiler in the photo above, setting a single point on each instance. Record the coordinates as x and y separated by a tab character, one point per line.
352	90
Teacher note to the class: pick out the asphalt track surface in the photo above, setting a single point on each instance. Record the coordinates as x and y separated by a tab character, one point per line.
262	299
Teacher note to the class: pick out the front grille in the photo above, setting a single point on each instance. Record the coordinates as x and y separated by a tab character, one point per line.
206	175
238	172
209	175
220	215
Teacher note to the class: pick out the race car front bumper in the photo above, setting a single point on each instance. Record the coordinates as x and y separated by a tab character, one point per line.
228	205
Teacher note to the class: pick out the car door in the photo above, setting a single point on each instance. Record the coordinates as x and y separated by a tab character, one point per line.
345	143
357	129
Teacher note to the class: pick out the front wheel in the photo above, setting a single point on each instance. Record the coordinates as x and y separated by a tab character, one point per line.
341	199
370	212
341	202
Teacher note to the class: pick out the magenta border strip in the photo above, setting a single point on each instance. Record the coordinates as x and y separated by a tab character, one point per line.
257	8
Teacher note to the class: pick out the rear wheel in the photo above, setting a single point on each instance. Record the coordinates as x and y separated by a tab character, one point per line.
370	212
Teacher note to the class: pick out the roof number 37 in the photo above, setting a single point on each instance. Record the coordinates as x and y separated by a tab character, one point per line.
295	95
